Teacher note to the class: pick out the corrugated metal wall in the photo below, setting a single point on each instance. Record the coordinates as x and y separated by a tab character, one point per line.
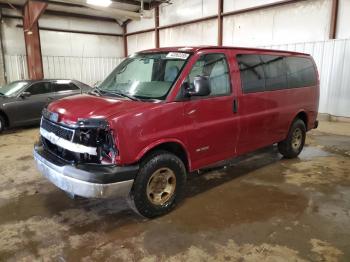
333	61
89	70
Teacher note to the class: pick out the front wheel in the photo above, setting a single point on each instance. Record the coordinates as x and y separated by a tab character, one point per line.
159	184
294	143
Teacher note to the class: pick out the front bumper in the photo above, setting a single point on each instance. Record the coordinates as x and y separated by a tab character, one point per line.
91	181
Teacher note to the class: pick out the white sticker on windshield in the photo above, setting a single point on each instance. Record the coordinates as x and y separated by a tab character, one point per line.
177	55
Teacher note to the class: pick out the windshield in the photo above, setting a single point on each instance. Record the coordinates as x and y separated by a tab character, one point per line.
145	76
12	89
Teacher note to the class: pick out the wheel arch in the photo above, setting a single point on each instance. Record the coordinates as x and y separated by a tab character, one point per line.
301	114
171	145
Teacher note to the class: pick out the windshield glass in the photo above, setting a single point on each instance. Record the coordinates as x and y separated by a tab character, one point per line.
12	89
145	76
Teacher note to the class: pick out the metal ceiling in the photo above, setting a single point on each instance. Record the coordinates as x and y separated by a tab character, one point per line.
119	10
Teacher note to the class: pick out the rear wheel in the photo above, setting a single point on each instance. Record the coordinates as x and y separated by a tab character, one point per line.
2	123
294	143
159	184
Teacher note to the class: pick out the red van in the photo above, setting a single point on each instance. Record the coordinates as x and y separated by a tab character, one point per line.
163	113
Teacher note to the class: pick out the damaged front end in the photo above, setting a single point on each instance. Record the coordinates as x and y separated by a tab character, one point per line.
89	141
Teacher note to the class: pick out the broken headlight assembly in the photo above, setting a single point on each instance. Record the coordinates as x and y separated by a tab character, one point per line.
89	141
96	133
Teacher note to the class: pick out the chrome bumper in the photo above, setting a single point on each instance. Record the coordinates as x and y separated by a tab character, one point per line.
58	176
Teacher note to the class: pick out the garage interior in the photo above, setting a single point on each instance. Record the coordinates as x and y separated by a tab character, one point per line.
260	207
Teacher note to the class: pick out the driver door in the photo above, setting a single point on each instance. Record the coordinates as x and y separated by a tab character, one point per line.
212	124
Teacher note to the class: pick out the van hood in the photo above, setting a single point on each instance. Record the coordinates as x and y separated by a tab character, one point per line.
72	108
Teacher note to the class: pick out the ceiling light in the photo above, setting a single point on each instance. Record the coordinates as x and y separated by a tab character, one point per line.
103	3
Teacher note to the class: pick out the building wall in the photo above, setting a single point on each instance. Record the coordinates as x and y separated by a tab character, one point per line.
299	22
85	57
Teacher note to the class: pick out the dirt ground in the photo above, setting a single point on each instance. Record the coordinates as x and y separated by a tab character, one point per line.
262	208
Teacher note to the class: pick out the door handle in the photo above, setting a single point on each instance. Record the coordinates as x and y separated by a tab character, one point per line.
235	106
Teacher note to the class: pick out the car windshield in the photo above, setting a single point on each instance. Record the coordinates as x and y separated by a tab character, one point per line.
12	89
145	76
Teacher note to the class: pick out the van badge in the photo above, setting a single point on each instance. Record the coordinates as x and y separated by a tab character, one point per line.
205	148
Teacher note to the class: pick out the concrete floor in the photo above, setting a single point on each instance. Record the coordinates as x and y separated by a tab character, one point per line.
262	208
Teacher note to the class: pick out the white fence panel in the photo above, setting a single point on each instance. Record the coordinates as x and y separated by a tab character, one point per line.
89	70
333	61
16	67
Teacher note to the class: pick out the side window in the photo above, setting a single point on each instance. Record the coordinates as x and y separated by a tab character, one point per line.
252	73
300	72
213	66
275	72
64	87
39	88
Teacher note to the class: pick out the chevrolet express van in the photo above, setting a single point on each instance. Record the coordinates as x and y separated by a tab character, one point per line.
164	113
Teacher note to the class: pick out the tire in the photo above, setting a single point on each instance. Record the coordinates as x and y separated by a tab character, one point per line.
294	143
159	185
2	123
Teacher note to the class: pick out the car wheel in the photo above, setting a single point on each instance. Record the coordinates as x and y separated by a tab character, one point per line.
294	143
2	123
159	185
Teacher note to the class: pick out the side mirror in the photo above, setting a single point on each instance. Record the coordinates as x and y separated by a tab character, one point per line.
201	87
25	94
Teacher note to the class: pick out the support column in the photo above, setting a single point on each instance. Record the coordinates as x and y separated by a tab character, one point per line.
156	25
31	13
220	30
334	19
125	39
3	78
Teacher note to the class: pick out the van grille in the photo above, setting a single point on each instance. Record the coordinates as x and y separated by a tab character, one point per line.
59	131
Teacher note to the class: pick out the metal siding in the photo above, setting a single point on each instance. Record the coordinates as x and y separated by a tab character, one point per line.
89	70
333	62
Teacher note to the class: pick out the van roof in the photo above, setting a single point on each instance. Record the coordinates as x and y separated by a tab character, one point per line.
193	49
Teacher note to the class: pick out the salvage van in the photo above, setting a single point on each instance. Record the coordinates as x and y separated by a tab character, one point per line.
164	113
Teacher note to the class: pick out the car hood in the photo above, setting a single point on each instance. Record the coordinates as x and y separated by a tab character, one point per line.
72	108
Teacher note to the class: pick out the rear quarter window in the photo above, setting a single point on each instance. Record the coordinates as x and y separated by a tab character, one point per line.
300	72
275	72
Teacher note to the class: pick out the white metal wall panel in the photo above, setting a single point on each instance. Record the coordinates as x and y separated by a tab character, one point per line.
89	70
204	33
16	67
299	22
333	61
234	5
80	24
141	42
12	37
185	10
72	44
144	23
343	28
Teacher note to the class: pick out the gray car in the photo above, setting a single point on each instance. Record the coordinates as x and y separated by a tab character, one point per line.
21	102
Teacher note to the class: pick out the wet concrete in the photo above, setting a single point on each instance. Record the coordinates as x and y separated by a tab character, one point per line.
259	208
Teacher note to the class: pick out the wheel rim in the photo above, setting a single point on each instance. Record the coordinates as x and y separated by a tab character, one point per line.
297	138
161	186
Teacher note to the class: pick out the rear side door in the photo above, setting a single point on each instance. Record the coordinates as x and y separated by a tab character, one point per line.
63	88
211	122
27	109
252	102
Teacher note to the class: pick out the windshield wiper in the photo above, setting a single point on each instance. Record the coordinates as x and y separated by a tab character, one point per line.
121	95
